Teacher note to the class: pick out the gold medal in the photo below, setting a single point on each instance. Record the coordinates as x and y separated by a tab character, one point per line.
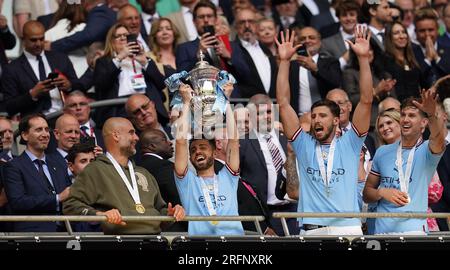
215	222
140	208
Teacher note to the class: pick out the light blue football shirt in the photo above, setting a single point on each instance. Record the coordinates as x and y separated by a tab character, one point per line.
343	196
423	167
191	195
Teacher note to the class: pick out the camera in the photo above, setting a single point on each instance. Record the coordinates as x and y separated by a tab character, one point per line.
302	50
131	38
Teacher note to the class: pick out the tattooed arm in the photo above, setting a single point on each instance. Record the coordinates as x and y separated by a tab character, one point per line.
292	182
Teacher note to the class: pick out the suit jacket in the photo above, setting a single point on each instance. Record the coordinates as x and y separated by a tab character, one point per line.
329	30
243	68
443	205
328	77
7	42
437	70
28	195
109	88
178	20
322	20
18	78
186	55
98	22
253	165
248	203
302	18
444	40
46	20
334	46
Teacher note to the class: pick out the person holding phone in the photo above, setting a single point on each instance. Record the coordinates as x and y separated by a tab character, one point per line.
124	70
26	86
205	18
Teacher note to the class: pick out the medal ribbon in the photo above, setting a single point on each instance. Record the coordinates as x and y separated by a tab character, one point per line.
404	176
207	197
326	177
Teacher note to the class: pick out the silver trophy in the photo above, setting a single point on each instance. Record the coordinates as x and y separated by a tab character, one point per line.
203	78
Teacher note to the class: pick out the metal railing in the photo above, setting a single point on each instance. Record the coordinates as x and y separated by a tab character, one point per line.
68	219
284	215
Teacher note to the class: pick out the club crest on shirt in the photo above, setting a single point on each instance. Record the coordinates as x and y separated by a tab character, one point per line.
142	181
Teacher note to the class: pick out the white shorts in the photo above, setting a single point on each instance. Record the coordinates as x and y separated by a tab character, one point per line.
334	230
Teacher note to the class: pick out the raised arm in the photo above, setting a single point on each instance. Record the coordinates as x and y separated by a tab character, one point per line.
286	50
435	120
183	126
233	141
361	47
292	182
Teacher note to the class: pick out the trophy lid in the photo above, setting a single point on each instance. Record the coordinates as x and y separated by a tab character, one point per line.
203	65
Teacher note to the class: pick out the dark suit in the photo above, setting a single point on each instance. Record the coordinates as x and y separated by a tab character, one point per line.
7	42
98	22
254	171
302	18
328	77
334	46
443	205
186	56
444	40
109	89
18	79
436	70
321	20
46	20
329	30
249	204
29	195
248	81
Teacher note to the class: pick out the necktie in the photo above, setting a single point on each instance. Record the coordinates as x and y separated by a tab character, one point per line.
84	131
313	88
42	76
381	36
42	175
276	156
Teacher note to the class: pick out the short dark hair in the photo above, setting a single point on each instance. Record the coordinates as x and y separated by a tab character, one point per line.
334	108
211	142
77	149
346	6
426	14
409	103
24	124
366	6
204	4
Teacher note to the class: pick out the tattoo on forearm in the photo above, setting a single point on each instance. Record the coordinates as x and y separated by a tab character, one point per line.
292	182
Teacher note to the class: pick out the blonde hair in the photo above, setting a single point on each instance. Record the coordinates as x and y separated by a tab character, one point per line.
391	113
109	49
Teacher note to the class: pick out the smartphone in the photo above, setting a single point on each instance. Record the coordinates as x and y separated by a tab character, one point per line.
302	50
88	140
52	75
209	29
131	38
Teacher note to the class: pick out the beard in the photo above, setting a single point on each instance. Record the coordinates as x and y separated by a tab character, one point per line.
128	151
206	165
326	133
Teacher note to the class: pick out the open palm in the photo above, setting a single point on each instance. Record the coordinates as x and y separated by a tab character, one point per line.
361	46
286	48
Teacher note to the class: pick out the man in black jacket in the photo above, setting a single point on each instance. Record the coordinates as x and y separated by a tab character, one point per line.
156	149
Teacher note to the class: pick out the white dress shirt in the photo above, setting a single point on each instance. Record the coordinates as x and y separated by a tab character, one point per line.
271	171
261	61
146	19
345	36
55	97
311	5
305	101
189	23
376	32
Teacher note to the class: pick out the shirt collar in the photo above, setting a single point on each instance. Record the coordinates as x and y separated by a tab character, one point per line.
221	161
153	154
185	10
345	35
375	31
146	16
33	157
247	44
62	152
30	56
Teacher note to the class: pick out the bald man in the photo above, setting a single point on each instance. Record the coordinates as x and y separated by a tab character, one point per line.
113	186
26	84
129	16
389	103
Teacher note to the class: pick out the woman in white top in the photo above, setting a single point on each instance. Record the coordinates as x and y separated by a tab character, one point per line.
68	20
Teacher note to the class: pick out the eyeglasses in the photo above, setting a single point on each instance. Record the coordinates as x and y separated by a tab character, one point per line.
243	22
74	105
119	36
203	16
143	107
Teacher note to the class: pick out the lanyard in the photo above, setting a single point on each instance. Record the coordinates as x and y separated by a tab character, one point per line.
207	197
404	176
134	192
326	176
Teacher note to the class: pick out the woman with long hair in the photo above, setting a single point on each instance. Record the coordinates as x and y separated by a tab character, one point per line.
401	63
124	70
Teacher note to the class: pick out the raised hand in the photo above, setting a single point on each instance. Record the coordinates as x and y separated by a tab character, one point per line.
361	46
186	93
286	48
429	101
